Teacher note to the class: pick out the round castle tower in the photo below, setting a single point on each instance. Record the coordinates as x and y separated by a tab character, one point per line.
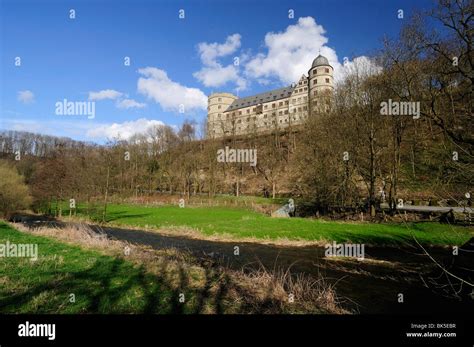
216	105
321	81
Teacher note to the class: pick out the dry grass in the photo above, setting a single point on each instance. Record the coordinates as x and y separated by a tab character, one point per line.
191	233
246	291
310	294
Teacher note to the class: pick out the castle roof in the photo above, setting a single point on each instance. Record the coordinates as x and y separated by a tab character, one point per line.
253	100
320	61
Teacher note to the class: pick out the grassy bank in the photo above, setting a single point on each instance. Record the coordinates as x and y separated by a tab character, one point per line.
243	223
75	261
100	283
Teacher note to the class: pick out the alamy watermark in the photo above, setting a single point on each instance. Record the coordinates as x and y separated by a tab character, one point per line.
400	108
75	108
350	250
37	330
230	155
20	250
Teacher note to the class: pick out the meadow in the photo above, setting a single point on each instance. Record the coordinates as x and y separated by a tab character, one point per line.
77	273
98	283
241	223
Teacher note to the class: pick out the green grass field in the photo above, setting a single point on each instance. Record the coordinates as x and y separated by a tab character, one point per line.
240	223
100	283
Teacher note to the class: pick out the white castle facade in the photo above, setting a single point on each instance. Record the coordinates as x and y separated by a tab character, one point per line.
274	110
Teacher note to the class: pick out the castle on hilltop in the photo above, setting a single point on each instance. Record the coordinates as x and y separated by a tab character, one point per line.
273	110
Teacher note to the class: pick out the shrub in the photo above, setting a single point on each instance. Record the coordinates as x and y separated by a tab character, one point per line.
14	194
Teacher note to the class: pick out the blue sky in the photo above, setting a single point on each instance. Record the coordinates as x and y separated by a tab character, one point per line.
174	63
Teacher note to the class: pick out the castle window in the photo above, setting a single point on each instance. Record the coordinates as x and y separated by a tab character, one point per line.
305	108
327	80
327	70
273	105
240	113
218	107
265	107
286	111
281	103
305	88
300	83
239	121
219	99
248	111
315	81
315	93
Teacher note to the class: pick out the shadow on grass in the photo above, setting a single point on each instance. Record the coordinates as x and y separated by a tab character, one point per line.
114	216
110	286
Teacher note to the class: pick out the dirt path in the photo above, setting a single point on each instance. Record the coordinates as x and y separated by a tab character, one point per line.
368	286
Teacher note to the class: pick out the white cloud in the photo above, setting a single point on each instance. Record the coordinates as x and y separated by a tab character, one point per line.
290	53
213	73
26	96
129	103
123	130
156	85
217	76
57	127
209	52
362	66
123	101
105	94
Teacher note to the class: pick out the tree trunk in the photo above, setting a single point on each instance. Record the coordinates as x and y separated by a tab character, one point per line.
104	214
